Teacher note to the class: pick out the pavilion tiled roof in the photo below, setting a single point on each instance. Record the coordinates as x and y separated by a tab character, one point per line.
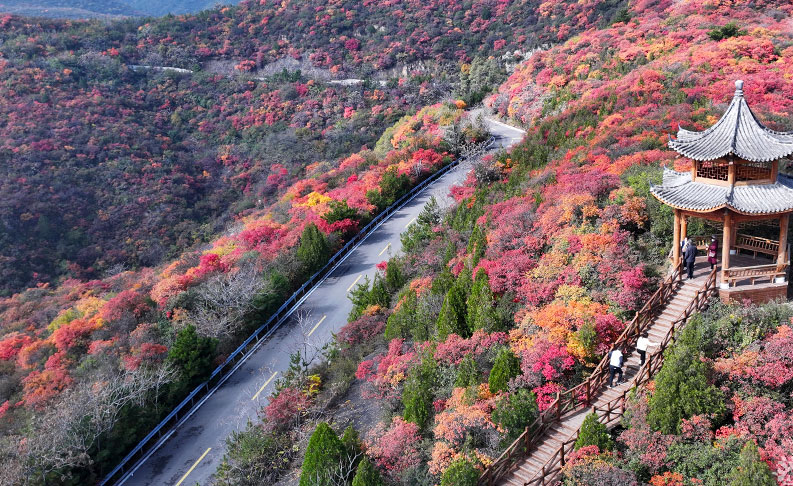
679	191
738	133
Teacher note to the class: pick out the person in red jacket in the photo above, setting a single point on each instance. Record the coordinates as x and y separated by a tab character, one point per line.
713	250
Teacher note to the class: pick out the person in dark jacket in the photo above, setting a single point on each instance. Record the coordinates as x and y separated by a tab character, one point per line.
713	250
689	257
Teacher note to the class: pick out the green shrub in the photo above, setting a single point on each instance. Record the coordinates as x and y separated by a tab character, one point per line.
751	469
515	412
254	456
367	475
593	433
417	396
467	373
452	318
460	473
726	31
313	252
323	454
681	387
192	355
505	367
481	310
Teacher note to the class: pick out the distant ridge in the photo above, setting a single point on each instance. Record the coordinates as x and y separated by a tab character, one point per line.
85	9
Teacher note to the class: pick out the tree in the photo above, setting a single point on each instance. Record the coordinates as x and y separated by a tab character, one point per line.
367	475
323	455
452	318
681	387
192	356
505	367
313	252
460	473
394	279
401	321
417	396
751	469
339	210
254	456
222	302
515	412
593	433
481	311
467	372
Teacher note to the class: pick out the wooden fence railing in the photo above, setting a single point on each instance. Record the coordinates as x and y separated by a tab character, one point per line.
580	395
612	411
770	272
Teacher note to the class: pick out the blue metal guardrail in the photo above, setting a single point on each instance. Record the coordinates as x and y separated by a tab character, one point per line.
195	399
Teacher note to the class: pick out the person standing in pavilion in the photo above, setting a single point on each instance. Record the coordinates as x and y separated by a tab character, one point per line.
713	250
689	257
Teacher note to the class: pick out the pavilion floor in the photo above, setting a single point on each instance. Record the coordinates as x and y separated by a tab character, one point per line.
761	291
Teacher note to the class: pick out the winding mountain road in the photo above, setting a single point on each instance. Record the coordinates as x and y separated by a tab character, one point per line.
194	450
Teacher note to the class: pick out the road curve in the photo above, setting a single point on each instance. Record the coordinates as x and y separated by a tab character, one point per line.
194	450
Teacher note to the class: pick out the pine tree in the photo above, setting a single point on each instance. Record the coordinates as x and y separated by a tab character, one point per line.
460	473
417	396
515	412
451	319
394	279
505	367
401	322
323	454
751	469
192	355
467	372
681	387
367	475
313	252
481	312
594	433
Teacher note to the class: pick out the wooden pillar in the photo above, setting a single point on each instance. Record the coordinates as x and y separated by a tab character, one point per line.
676	240
725	249
781	260
683	227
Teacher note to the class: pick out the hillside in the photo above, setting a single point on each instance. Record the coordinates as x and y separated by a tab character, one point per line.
150	219
517	292
87	9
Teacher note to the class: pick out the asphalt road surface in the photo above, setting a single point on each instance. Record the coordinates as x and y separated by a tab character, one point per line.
193	452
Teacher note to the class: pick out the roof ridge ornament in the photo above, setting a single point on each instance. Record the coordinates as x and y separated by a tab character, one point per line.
739	88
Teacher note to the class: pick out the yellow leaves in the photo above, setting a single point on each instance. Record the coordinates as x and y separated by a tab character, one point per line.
314	199
64	317
312	385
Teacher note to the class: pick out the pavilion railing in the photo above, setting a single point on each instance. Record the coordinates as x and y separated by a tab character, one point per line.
582	394
754	244
611	412
771	272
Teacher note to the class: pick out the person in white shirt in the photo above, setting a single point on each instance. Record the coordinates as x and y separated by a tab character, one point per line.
615	365
642	344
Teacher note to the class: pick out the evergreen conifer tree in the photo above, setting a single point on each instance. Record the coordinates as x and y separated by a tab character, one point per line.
505	367
192	355
451	319
313	251
481	312
367	475
681	387
323	455
467	372
751	469
460	473
417	396
594	433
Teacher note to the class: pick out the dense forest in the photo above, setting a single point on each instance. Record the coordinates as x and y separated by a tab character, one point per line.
151	218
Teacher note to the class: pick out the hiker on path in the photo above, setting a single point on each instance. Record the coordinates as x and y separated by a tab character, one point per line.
689	257
713	249
615	365
642	344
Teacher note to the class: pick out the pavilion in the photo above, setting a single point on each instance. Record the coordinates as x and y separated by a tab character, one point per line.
735	183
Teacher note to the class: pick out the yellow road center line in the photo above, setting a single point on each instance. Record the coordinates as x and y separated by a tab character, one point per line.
315	327
410	222
384	249
194	465
353	284
263	386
